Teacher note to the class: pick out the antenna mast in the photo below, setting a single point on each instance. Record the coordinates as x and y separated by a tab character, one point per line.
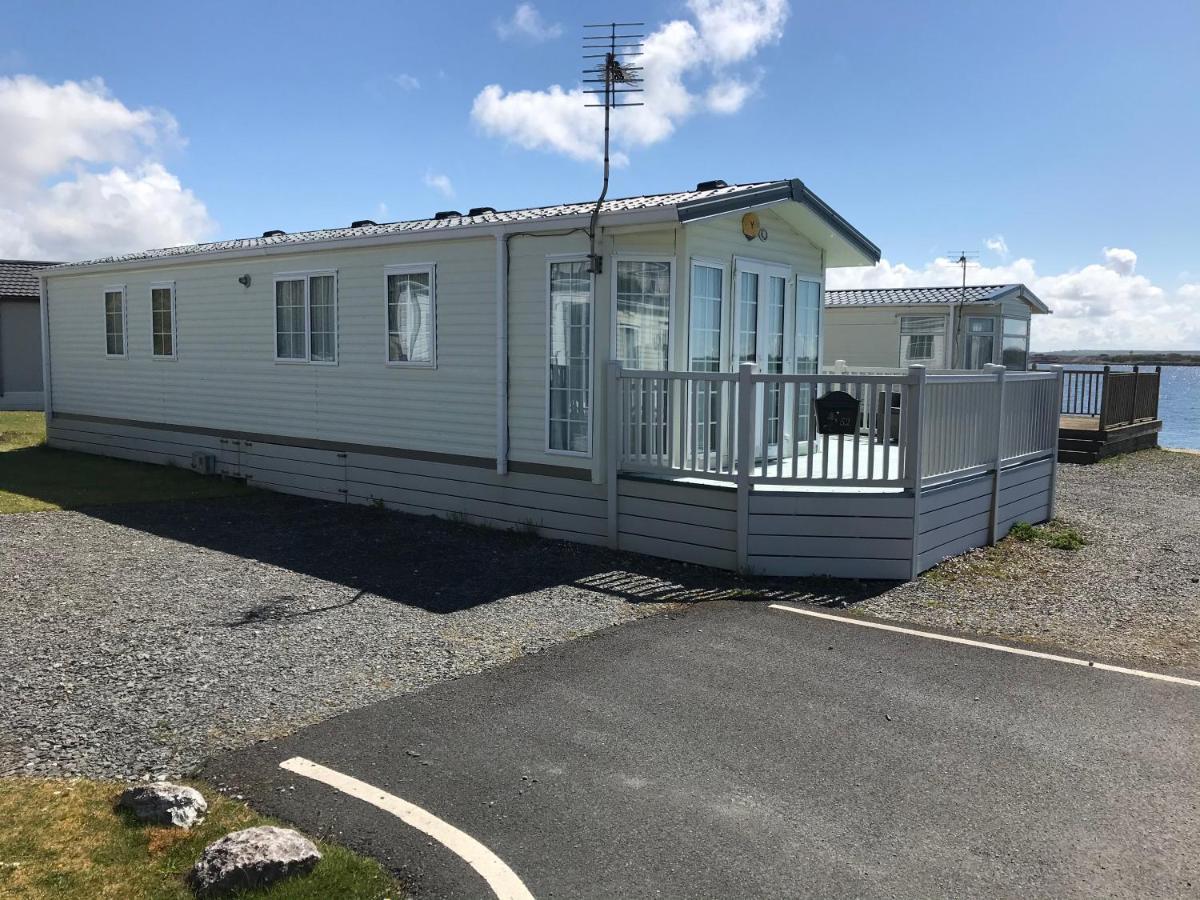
967	259
614	70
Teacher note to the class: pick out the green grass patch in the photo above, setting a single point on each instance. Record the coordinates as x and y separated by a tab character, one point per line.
22	429
1056	534
1023	531
36	477
62	839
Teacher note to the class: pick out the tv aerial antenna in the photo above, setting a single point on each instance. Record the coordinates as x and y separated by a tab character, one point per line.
610	54
967	259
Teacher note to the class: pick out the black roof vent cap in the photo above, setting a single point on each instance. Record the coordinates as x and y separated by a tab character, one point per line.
448	214
274	232
359	223
481	210
711	185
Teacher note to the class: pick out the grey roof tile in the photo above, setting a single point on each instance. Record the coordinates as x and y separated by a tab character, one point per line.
534	214
17	278
911	296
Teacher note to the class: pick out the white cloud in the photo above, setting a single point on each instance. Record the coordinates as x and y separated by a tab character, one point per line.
1120	260
687	68
728	96
85	178
997	245
440	183
406	82
1100	306
735	29
527	23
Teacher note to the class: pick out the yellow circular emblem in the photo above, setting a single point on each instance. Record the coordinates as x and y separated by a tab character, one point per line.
750	226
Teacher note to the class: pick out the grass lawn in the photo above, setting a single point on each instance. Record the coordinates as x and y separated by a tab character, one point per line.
61	838
35	477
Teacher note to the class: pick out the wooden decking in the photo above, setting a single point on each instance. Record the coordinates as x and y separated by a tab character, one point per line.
1082	441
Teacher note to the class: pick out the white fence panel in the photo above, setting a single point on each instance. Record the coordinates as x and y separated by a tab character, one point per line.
1030	425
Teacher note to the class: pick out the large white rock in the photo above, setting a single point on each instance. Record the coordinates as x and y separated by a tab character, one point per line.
163	803
252	858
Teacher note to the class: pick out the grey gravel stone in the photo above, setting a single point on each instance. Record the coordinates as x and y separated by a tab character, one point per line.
165	804
137	640
252	858
1129	595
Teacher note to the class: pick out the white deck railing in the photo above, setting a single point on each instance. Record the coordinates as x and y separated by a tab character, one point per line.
760	429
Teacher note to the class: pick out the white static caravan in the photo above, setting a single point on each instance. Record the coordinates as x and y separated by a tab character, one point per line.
470	365
937	327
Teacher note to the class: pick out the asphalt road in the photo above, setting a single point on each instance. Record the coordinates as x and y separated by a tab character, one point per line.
736	751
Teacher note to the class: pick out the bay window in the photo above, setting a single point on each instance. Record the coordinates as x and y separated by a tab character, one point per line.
981	341
704	339
569	357
1016	343
643	313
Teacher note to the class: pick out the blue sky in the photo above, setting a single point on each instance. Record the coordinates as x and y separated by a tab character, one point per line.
1062	128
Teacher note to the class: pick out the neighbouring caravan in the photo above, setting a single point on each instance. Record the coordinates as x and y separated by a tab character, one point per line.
473	365
937	327
20	335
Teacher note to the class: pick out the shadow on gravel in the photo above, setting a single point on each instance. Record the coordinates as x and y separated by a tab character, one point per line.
437	565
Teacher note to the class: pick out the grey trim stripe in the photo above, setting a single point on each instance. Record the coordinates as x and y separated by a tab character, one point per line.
480	462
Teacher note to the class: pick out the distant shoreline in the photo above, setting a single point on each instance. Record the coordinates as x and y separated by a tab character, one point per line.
1147	358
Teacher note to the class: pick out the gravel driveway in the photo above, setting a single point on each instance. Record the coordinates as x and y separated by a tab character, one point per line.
1133	593
141	638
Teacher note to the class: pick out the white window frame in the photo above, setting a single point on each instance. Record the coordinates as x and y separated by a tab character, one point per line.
944	334
430	269
819	281
174	354
305	276
765	269
112	289
726	291
578	454
632	256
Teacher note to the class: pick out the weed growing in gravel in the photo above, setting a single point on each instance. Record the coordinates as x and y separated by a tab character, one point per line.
1056	534
1023	531
1067	539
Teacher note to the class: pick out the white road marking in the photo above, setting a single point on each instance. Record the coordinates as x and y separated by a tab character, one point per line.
846	620
500	878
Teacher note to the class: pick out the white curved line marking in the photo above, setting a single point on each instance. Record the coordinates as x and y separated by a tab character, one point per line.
1070	660
500	878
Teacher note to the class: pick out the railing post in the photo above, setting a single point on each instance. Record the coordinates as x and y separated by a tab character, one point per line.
1058	371
612	400
747	397
1157	389
1105	397
913	455
998	457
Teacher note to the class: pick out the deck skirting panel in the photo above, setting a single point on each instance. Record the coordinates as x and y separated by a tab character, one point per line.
563	508
788	533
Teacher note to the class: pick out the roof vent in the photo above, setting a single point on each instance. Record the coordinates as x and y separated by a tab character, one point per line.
711	185
448	214
359	223
481	210
274	232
